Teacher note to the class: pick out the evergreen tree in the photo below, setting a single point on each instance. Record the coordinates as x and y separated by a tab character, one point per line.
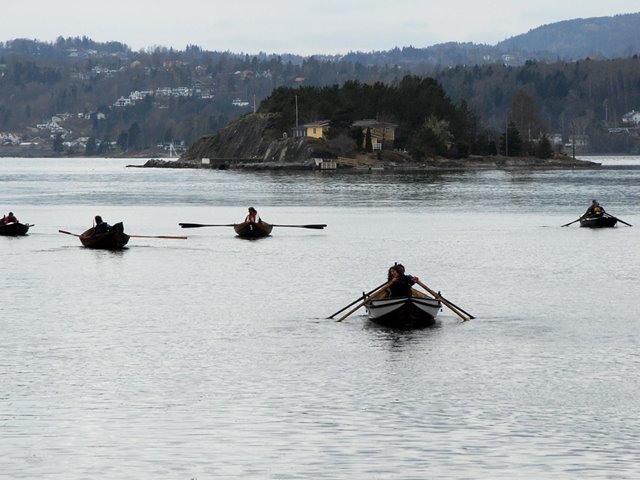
58	146
123	141
511	142
368	144
544	148
133	135
90	149
105	146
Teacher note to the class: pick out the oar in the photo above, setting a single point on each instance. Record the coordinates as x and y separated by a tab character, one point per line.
358	299
175	237
198	225
458	311
566	225
363	302
316	226
68	233
621	221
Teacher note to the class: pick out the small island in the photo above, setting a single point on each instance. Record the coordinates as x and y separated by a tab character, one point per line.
412	126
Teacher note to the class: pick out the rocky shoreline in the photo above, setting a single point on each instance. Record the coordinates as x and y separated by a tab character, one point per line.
354	165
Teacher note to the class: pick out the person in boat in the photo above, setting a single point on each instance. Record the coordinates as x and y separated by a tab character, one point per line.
101	226
595	210
11	218
253	216
401	282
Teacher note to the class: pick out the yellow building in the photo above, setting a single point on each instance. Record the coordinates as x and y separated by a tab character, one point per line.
314	129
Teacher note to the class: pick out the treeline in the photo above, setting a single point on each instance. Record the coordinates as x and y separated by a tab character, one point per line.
428	122
582	98
76	75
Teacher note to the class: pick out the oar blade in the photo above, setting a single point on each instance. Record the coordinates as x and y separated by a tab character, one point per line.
316	226
198	225
173	237
464	315
359	299
622	221
567	224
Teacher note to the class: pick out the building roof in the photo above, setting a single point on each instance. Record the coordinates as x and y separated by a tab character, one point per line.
317	123
371	123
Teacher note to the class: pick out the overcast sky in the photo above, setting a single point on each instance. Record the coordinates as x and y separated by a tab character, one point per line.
292	26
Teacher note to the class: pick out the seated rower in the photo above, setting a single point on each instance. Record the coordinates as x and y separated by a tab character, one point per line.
101	226
401	283
11	218
253	216
595	210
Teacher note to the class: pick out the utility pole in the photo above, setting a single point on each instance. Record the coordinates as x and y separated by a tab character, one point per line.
506	137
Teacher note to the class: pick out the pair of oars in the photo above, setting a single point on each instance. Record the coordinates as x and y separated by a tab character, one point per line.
173	237
365	298
606	215
318	226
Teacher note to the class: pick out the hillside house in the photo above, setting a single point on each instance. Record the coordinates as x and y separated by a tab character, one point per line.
579	143
122	102
383	134
316	129
238	102
631	118
555	139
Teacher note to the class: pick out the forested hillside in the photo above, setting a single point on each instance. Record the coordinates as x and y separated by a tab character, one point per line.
428	122
601	37
582	98
77	96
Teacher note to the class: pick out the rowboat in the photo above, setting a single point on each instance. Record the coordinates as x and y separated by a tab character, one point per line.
114	239
253	230
14	229
598	222
415	311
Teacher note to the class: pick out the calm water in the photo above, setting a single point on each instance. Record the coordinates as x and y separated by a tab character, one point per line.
212	357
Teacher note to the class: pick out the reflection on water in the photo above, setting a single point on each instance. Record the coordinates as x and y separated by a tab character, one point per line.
213	357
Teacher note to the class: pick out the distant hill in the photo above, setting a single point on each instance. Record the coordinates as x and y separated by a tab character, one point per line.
607	37
570	40
78	96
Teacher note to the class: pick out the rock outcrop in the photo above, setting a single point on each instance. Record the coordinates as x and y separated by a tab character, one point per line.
253	140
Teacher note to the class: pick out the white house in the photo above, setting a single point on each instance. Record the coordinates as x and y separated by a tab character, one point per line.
632	117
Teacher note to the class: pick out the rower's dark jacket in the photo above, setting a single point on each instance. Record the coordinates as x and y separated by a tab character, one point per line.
402	286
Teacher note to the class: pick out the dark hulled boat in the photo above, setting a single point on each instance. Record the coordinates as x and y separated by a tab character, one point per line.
14	229
114	239
598	222
253	230
416	311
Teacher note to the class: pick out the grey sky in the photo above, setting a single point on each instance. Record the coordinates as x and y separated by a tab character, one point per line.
293	26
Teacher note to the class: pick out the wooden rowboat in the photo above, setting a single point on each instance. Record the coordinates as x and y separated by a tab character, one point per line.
253	230
114	239
14	229
598	222
415	311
